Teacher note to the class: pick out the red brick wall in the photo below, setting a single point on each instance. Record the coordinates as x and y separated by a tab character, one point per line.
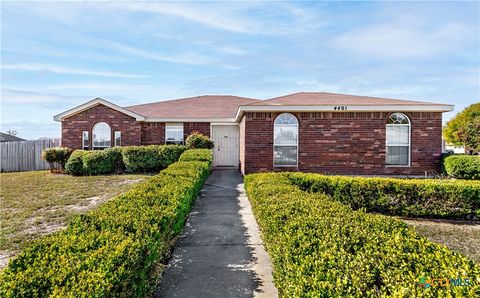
153	133
242	145
133	132
73	126
345	143
201	127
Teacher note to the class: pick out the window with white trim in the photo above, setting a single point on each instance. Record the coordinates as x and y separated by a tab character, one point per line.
285	140
174	133
398	140
102	136
118	138
85	140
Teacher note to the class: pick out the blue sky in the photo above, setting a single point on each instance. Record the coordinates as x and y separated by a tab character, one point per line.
56	55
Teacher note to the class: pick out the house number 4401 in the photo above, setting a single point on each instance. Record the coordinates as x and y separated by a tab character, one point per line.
340	108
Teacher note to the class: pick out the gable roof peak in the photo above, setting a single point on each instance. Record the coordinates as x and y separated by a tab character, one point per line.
94	102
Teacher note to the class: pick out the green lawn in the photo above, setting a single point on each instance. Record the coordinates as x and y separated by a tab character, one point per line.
460	236
37	203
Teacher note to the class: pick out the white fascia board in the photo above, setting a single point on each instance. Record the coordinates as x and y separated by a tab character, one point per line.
224	123
93	103
226	120
349	108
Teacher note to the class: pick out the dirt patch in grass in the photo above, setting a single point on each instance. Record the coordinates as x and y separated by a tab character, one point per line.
34	204
460	236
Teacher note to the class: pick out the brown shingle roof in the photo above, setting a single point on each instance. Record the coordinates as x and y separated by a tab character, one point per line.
333	99
205	106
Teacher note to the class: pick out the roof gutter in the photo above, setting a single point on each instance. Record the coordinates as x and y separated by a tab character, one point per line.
342	108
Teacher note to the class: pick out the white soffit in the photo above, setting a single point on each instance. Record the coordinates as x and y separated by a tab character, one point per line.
343	108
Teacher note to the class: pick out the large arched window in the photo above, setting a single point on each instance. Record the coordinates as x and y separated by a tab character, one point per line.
285	140
398	140
102	136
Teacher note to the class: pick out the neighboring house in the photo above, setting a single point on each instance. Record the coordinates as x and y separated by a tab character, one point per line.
306	131
5	137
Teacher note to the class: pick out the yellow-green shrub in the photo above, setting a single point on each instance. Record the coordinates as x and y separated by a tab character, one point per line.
198	154
322	248
408	197
114	250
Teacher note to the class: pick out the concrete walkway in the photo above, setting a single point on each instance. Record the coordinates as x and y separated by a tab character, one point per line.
219	253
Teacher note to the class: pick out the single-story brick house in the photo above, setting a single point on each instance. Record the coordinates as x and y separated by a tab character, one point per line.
306	131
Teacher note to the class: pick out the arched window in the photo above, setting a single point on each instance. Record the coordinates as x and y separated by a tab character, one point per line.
285	140
398	140
102	136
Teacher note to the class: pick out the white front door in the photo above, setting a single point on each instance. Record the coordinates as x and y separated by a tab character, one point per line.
226	150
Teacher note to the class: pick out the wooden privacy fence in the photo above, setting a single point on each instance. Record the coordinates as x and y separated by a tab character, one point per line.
24	155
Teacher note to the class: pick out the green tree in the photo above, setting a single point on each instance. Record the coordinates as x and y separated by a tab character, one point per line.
464	128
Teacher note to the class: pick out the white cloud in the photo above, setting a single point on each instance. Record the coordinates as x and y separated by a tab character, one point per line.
215	18
401	40
68	70
188	58
18	97
232	50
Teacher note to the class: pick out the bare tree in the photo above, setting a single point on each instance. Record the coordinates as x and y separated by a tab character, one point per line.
12	132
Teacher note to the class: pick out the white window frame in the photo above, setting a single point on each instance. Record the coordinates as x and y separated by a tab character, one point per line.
93	137
399	145
87	139
176	125
119	133
289	145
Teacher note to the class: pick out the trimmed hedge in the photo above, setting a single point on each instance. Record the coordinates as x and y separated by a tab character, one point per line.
74	164
97	163
462	166
199	154
142	159
114	250
56	158
115	154
406	197
133	159
322	248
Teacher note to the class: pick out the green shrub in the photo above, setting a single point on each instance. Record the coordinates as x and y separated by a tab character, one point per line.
197	140
407	197
443	171
463	166
197	154
97	163
133	159
74	164
116	156
322	248
56	158
152	158
114	250
92	162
